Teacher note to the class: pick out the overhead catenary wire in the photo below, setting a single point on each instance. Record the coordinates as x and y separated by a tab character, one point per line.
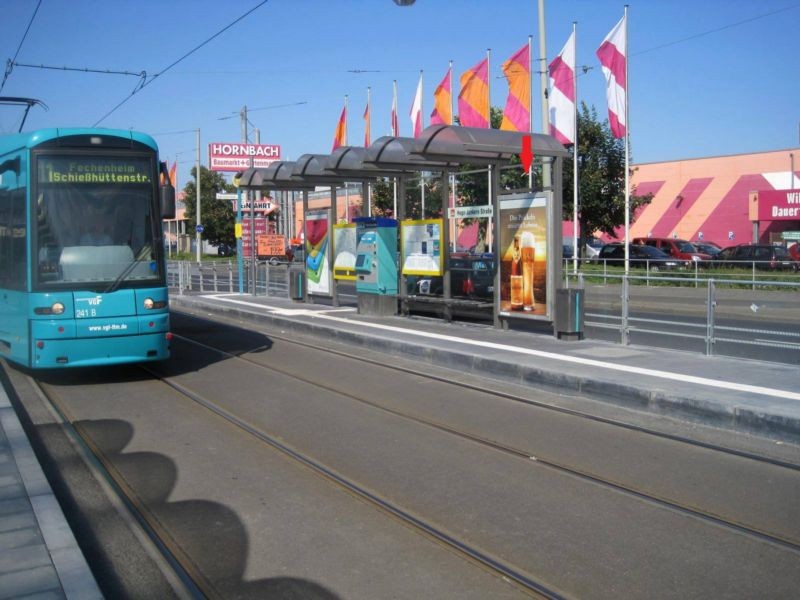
10	63
178	61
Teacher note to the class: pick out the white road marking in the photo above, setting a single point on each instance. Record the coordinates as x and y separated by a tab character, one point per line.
703	381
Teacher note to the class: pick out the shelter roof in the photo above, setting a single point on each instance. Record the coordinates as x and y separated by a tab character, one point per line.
277	176
398	153
350	160
472	145
313	168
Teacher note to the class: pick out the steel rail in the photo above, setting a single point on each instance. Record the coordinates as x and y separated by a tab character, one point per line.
195	585
523	580
514	397
665	502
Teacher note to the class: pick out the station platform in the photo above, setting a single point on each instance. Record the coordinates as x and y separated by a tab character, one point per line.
748	396
39	557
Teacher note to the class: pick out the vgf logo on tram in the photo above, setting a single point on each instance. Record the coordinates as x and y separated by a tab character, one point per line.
94	301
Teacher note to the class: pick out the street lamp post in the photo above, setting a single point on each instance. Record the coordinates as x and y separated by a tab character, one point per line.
198	222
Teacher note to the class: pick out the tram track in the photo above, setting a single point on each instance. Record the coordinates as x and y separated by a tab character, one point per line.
620	486
184	574
427	528
770	460
195	584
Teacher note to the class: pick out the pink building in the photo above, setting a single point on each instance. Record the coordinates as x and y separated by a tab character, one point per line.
709	198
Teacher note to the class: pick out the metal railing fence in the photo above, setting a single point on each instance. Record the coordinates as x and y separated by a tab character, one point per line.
223	277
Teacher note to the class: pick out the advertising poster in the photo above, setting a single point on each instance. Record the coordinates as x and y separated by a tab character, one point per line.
344	251
421	247
523	256
317	252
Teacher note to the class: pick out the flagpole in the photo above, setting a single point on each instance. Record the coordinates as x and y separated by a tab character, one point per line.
451	201
547	181
530	103
422	125
452	110
627	154
367	142
575	207
489	126
395	132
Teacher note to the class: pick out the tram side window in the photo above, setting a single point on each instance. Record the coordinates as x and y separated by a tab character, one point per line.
13	233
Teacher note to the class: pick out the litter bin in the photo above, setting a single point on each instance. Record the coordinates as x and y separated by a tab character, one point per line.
297	281
569	312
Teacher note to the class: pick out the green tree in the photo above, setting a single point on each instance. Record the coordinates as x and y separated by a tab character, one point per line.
473	188
217	216
383	197
601	178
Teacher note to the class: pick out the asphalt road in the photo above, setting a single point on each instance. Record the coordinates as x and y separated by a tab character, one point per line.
587	509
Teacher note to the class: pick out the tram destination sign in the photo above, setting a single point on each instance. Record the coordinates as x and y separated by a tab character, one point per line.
233	156
89	170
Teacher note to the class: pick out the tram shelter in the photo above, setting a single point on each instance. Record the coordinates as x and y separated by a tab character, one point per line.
530	221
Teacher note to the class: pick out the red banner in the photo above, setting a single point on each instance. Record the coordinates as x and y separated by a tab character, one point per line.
779	205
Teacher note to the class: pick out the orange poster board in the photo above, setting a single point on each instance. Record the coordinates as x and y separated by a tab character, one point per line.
271	244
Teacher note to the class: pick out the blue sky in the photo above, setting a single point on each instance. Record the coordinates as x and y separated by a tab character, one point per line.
734	88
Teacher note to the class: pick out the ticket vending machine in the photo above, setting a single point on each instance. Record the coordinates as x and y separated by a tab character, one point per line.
376	266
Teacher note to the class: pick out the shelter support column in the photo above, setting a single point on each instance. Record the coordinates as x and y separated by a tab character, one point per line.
332	219
305	246
494	186
554	242
445	245
402	290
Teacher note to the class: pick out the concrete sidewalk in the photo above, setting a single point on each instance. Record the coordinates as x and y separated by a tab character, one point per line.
39	556
728	393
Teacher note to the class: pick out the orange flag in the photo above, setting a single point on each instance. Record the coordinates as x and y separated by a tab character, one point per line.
473	101
340	137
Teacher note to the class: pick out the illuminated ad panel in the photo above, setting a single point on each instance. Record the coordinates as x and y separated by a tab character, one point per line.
344	251
523	256
421	247
317	252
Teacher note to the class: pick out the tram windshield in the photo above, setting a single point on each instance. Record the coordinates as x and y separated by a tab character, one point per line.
94	222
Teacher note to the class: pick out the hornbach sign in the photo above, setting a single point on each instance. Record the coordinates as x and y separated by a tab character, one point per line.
779	205
225	156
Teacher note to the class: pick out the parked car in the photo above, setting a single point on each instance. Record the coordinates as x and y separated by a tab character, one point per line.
471	276
761	256
226	250
591	248
639	256
709	248
676	248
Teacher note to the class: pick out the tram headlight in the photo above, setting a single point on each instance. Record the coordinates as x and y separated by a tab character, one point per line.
150	304
55	309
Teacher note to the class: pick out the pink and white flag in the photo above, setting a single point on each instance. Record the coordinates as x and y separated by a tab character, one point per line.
562	93
416	110
613	57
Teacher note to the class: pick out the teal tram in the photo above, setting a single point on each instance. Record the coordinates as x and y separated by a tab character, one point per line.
82	267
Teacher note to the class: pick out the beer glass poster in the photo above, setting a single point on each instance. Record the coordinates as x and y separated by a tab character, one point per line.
523	256
317	252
